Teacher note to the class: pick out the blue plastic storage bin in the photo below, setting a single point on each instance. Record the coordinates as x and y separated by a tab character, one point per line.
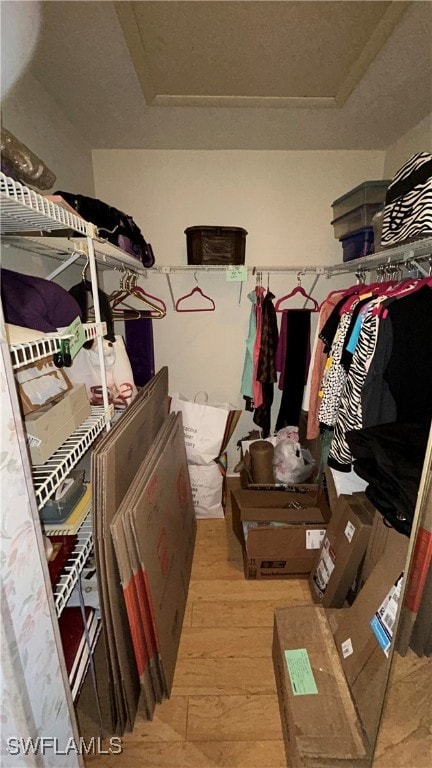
358	244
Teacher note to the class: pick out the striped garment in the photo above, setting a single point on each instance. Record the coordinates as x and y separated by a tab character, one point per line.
334	375
350	414
408	208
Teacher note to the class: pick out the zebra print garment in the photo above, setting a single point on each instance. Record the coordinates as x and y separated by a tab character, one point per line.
334	375
350	414
408	208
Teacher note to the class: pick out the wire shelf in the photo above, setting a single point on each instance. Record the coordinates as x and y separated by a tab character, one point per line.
64	587
107	256
23	210
32	351
47	477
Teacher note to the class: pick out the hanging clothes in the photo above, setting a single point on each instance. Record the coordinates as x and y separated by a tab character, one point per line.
140	349
296	365
266	370
317	366
256	384
390	458
248	367
390	376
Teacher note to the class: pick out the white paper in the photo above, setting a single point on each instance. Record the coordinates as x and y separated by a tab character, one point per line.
325	567
314	539
349	531
383	622
347	648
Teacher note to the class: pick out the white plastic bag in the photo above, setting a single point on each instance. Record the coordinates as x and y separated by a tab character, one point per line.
292	463
207	486
85	369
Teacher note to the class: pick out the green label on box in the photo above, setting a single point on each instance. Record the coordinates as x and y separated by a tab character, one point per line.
76	331
236	274
300	672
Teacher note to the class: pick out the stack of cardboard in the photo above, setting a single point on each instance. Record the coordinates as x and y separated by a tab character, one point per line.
117	463
154	534
332	665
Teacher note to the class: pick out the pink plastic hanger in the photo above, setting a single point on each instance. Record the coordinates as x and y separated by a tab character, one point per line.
197	289
298	289
145	295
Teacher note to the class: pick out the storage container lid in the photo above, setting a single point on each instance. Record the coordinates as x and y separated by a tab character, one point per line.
368	231
215	230
369	207
365	185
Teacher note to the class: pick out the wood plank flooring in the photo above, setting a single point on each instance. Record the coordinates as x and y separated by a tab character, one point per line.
223	711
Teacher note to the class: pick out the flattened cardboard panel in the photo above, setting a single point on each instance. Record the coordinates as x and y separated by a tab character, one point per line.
115	462
321	729
164	526
132	607
145	607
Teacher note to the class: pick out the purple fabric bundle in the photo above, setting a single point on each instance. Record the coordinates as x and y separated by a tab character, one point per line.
36	303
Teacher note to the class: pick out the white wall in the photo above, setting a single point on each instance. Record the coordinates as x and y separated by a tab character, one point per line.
284	201
418	139
35	119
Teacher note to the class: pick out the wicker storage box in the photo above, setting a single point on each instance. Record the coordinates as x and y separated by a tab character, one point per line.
215	245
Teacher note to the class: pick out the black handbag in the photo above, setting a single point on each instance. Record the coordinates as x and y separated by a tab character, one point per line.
113	225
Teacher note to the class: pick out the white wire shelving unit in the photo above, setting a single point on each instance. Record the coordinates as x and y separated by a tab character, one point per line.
62	590
29	352
47	477
23	210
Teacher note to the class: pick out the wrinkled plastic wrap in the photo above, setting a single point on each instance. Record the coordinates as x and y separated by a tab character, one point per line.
21	164
291	462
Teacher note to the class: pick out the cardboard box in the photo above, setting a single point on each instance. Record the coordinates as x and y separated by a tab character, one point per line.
320	725
332	493
342	550
279	541
381	538
355	638
49	427
39	384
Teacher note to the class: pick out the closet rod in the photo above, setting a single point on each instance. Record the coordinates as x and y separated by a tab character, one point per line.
421	250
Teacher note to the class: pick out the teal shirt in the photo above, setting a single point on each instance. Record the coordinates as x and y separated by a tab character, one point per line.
247	377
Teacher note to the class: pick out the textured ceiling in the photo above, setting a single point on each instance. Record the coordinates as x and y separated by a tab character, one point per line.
310	75
253	50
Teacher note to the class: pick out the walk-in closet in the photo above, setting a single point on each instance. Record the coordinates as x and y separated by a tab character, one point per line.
216	384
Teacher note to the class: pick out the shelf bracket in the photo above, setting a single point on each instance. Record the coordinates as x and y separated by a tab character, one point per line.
65	264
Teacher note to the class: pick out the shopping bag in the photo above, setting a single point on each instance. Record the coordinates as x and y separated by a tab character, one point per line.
207	428
207	490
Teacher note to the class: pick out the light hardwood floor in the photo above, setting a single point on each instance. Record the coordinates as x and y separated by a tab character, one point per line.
223	710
